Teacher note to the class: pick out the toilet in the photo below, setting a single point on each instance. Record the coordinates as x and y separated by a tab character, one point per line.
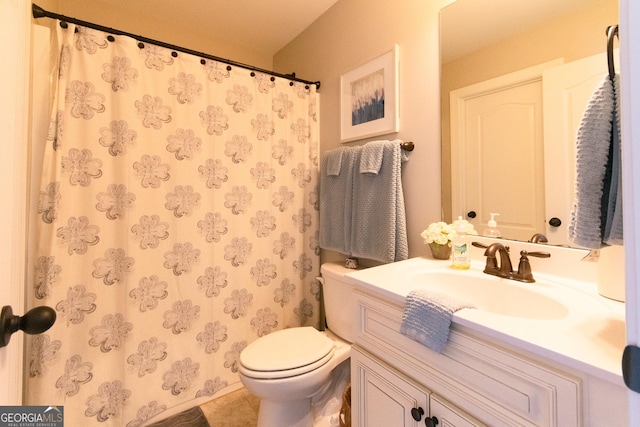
287	369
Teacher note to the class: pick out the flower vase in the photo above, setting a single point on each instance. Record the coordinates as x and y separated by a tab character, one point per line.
440	251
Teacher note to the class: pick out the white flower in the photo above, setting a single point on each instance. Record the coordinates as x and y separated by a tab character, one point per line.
443	233
438	232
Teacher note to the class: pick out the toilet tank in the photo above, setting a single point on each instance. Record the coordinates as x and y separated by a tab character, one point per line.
339	301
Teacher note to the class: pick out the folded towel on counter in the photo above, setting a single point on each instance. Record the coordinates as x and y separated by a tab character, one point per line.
596	216
379	228
427	317
371	158
335	199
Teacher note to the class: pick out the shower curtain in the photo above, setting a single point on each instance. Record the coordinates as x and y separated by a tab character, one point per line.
177	222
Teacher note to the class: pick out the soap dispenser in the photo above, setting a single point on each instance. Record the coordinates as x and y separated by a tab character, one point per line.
492	229
460	246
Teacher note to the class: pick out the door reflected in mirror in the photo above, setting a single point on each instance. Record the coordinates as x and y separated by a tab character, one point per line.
511	99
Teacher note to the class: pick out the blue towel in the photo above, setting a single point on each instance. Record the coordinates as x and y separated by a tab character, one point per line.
596	216
379	227
334	161
612	232
335	199
371	159
427	317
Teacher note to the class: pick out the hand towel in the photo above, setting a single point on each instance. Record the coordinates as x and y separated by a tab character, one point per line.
335	199
379	230
613	230
334	161
598	189
427	317
371	159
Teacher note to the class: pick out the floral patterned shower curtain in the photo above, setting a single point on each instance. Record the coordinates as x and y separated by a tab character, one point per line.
177	222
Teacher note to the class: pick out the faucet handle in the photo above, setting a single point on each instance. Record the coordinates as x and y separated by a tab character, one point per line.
536	254
524	267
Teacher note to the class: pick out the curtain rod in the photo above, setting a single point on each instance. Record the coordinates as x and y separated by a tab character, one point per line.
39	12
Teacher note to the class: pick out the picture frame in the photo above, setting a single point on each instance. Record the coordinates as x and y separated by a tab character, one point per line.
369	98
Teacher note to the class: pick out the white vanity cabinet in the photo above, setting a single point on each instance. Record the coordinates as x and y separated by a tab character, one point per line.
383	397
391	374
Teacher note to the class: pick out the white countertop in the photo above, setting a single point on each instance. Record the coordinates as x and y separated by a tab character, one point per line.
587	334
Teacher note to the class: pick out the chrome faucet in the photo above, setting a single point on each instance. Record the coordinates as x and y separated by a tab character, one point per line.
505	269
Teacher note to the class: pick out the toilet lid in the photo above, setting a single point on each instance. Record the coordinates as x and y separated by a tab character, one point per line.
286	349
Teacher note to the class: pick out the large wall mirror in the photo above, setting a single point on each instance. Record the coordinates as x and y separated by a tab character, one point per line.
515	79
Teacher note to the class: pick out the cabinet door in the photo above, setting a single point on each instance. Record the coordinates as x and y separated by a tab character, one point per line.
382	398
448	415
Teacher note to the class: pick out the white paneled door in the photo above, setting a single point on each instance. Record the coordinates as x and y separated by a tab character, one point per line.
15	47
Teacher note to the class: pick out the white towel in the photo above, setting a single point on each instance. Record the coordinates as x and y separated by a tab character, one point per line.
335	199
597	207
427	317
379	229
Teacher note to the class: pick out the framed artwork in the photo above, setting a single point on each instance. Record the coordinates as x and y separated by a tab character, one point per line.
369	98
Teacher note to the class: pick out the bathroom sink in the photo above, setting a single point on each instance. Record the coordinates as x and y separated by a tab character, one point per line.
490	293
542	300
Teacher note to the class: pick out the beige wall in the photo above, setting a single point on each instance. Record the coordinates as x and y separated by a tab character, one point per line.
98	12
573	37
348	35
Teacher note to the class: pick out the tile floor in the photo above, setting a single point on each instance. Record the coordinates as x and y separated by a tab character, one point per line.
236	409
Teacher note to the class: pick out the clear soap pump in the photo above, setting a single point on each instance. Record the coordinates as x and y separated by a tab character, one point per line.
460	247
492	229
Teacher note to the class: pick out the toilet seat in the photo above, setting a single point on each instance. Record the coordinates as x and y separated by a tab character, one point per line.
286	353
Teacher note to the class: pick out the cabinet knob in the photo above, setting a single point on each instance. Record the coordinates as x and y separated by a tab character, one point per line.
555	222
431	421
417	413
471	214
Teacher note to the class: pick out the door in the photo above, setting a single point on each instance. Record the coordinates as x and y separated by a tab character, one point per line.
629	68
380	398
448	415
498	154
566	91
15	24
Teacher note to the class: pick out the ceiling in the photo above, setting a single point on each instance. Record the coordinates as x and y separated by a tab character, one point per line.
258	25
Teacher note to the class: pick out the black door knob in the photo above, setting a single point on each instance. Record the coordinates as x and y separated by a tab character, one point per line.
35	321
417	413
555	222
431	421
471	214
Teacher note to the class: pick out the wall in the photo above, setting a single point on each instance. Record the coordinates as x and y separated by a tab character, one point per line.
353	32
164	31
